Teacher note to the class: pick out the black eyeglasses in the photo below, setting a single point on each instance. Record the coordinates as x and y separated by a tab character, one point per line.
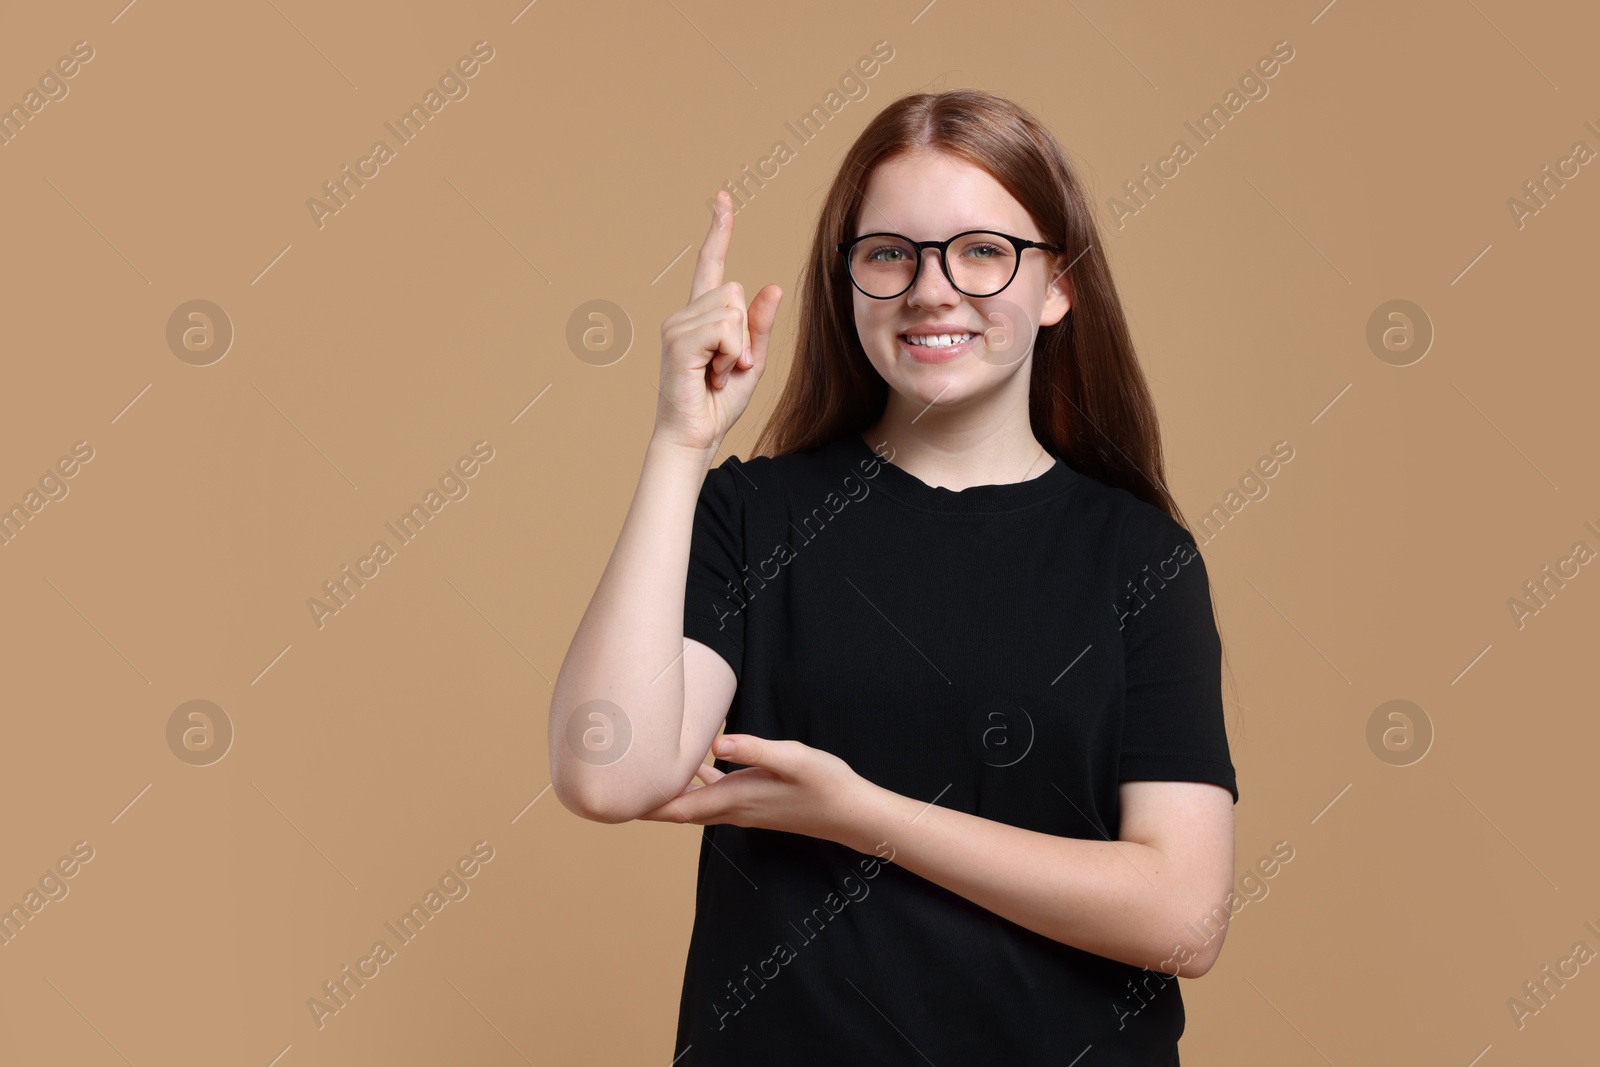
886	265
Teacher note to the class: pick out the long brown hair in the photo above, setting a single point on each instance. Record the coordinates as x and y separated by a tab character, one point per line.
1088	401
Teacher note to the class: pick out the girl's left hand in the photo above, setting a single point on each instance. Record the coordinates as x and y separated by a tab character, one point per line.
786	785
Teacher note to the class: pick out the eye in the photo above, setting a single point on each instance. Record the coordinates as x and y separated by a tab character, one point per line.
880	253
984	251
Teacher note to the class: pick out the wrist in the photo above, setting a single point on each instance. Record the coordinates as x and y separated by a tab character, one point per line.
861	805
674	451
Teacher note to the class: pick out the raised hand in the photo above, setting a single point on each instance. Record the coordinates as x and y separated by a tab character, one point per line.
712	350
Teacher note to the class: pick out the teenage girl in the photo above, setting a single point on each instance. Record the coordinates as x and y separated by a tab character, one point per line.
975	801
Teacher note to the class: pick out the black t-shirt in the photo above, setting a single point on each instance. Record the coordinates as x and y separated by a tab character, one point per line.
1011	651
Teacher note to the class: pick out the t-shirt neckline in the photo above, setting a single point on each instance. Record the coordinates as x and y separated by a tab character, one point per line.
909	489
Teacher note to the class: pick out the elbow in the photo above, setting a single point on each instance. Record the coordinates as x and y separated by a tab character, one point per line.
575	783
576	802
1184	961
621	790
605	802
1201	958
588	803
1193	955
600	813
1198	966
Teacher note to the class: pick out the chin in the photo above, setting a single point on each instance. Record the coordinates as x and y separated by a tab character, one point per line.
932	386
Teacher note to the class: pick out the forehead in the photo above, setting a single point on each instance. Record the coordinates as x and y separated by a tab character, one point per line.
929	196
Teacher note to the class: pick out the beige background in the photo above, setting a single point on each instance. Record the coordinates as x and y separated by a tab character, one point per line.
431	312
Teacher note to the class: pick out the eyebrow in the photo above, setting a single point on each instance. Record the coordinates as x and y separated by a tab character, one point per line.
985	227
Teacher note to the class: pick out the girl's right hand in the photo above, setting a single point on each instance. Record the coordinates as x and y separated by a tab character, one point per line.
712	350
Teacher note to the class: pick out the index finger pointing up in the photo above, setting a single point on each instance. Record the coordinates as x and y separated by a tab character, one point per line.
714	250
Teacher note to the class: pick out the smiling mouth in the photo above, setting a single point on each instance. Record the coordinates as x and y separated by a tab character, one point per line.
937	340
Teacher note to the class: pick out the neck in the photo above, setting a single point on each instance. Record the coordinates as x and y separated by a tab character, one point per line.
956	455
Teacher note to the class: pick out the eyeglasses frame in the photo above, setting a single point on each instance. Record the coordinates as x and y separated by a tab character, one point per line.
1019	244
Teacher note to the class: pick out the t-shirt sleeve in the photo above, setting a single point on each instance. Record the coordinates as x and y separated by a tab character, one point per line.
1172	728
712	610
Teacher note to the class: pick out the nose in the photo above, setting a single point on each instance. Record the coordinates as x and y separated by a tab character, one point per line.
932	288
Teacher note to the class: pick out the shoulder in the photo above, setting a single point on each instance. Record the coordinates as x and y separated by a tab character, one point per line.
768	480
1140	531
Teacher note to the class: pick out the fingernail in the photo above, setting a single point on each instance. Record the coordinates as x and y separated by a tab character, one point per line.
723	746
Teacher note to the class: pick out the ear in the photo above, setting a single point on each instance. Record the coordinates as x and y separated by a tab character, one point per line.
1057	297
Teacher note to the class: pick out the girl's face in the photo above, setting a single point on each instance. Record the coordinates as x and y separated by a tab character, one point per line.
930	197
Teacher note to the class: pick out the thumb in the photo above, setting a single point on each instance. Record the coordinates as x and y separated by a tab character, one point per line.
763	313
780	757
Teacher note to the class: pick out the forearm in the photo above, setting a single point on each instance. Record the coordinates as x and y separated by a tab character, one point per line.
628	648
1117	899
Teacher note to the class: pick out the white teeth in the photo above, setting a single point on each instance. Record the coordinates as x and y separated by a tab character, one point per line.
939	340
